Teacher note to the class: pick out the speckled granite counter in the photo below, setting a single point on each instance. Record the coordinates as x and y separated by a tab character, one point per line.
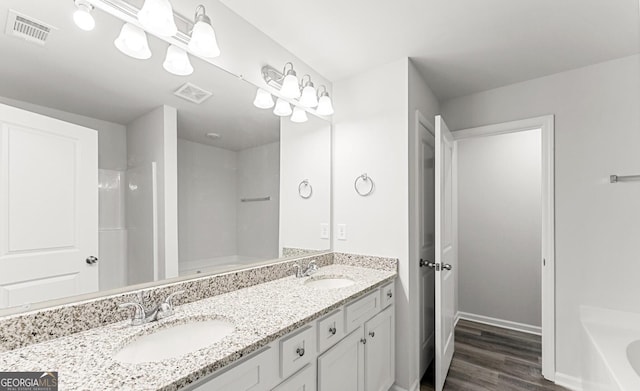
260	313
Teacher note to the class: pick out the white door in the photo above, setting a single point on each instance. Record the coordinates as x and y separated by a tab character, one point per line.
445	240
48	208
379	351
426	211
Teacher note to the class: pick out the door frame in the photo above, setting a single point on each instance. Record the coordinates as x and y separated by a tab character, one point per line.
546	124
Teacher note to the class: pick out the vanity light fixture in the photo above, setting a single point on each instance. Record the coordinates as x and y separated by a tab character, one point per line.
82	16
177	61
132	41
283	108
290	88
203	38
308	97
299	115
156	16
325	107
263	99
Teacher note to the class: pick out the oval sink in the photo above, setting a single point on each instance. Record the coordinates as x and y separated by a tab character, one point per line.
329	282
174	341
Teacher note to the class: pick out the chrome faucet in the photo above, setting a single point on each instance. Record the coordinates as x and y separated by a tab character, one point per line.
162	311
311	268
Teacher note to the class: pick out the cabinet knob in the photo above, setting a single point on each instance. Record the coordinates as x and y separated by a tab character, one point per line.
363	340
300	352
91	260
332	330
372	334
389	294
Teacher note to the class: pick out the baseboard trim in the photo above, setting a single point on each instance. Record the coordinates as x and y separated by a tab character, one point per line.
570	382
414	387
505	324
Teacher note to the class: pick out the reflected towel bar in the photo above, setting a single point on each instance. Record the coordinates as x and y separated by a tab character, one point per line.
255	199
623	178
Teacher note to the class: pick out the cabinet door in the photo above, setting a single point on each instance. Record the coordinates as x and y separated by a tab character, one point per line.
340	368
379	351
304	380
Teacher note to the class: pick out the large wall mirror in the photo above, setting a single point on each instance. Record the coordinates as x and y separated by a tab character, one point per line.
114	172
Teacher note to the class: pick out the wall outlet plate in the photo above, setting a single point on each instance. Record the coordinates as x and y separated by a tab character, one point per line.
324	231
342	232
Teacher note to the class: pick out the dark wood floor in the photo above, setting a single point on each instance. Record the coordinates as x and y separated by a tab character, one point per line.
494	359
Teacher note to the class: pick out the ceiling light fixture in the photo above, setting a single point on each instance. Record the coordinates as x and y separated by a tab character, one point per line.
132	41
308	97
263	99
290	87
299	115
82	16
156	16
177	61
283	108
203	38
325	106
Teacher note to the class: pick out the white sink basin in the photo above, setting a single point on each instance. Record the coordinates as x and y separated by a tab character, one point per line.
329	282
174	341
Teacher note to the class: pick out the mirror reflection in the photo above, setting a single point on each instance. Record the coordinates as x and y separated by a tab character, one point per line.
114	171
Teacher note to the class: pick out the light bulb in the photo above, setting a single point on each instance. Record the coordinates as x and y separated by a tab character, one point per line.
290	88
309	97
156	16
132	41
177	61
263	100
82	16
299	115
325	107
283	108
203	39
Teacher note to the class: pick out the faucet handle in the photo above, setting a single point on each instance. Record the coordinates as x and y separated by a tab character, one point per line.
169	299
139	314
165	309
298	270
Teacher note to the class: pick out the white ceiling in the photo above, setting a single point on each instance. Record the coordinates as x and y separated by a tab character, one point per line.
83	73
459	46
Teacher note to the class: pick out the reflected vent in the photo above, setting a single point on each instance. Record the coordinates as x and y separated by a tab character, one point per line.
27	28
193	93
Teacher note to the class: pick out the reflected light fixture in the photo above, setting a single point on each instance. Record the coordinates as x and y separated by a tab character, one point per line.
263	99
82	16
308	97
283	108
156	16
203	39
177	61
325	107
299	115
290	88
132	41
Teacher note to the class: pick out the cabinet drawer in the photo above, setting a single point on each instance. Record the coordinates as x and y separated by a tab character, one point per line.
387	294
257	373
362	310
304	380
297	350
330	330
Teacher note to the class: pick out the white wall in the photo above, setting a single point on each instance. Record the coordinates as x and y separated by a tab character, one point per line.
258	176
207	187
597	117
500	226
305	153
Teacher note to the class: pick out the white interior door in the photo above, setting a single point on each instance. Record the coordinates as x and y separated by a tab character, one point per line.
426	211
48	208
445	240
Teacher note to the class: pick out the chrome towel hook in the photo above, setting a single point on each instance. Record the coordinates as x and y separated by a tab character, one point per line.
305	189
365	178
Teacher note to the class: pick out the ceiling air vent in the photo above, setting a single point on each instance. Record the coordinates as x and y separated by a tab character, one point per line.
27	28
192	93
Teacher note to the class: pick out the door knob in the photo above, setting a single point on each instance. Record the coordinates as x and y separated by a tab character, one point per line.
425	263
91	260
446	266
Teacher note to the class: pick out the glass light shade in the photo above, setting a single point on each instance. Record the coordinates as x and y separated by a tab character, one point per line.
132	41
83	18
299	115
325	107
177	62
156	16
282	109
290	88
309	97
203	41
263	100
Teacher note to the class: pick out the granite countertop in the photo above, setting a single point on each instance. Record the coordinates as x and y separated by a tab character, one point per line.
260	313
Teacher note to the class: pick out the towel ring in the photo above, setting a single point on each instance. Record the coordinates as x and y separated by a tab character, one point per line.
301	189
365	178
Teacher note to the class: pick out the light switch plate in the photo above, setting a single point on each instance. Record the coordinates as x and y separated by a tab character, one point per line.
342	232
324	231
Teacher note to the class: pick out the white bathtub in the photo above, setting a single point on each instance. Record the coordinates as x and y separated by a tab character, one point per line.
611	357
217	264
